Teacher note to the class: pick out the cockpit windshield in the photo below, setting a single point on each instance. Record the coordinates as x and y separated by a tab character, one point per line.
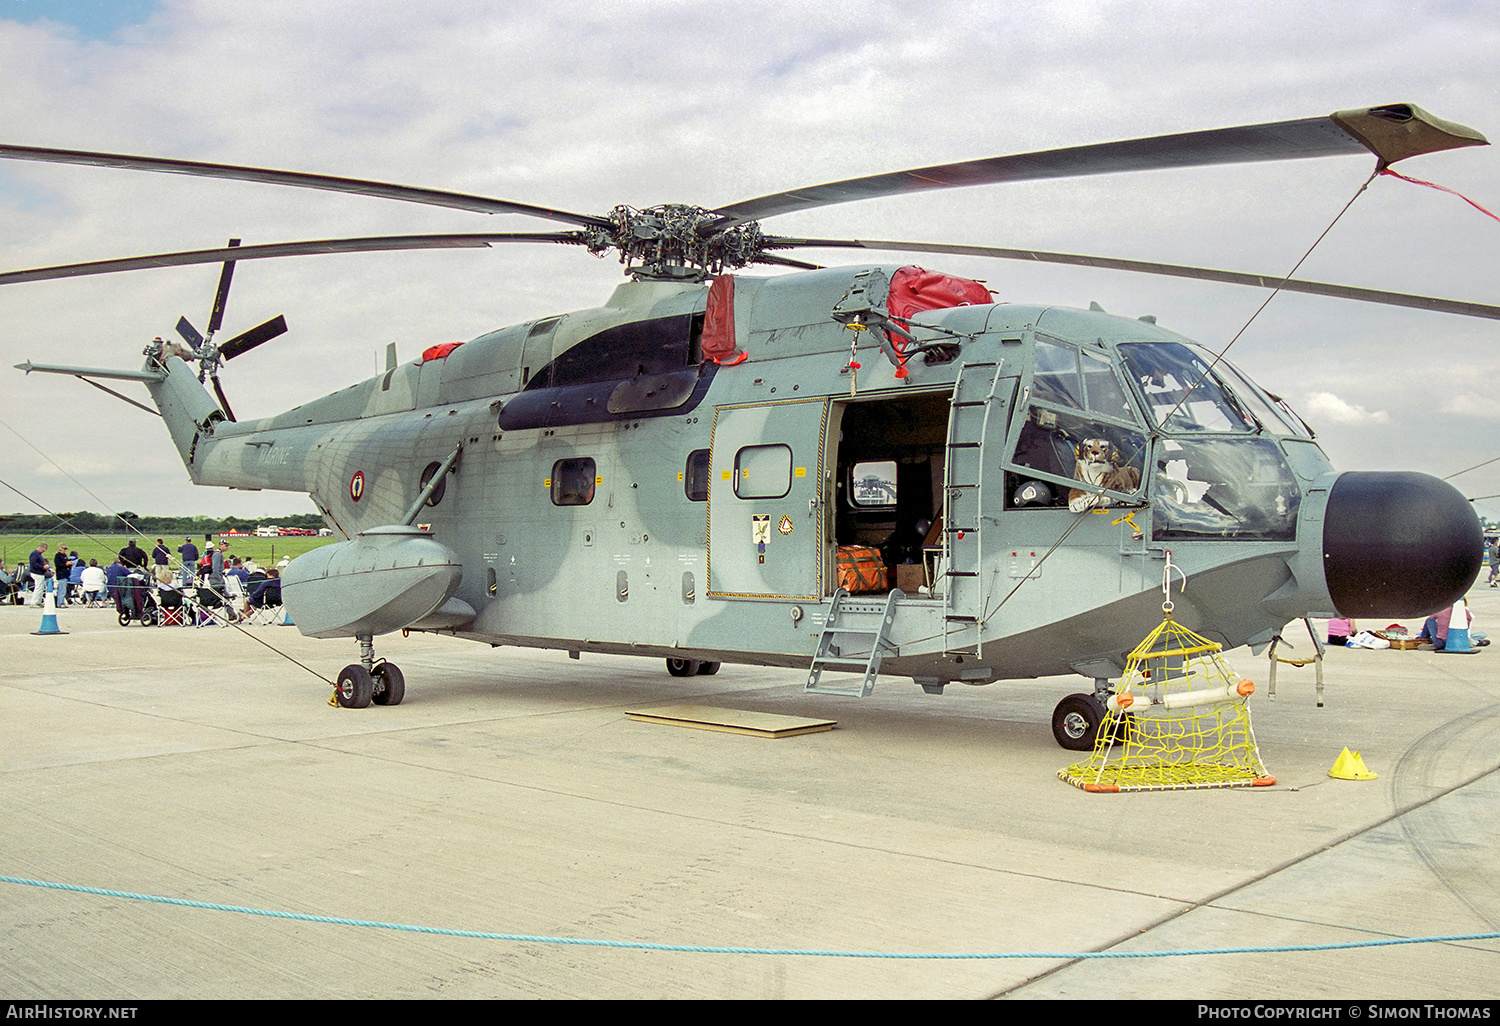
1273	413
1180	390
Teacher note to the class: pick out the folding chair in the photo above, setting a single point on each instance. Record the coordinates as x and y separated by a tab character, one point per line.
234	596
269	610
171	609
208	608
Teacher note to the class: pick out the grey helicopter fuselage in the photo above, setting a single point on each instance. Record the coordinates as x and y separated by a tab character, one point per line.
616	492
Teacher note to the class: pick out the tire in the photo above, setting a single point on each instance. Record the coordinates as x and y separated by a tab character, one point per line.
682	667
148	618
1123	729
707	669
124	618
1075	722
355	687
390	685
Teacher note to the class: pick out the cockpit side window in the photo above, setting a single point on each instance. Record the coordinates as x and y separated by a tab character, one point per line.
1223	489
1055	378
1068	460
1105	396
1081	437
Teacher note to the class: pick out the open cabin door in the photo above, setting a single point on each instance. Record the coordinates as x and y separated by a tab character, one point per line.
765	501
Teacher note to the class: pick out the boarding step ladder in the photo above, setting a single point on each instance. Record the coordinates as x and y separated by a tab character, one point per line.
856	637
974	400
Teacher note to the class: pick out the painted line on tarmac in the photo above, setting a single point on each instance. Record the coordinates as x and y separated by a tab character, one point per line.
722	950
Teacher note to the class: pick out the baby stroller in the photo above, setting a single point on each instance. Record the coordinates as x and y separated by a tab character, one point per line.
134	601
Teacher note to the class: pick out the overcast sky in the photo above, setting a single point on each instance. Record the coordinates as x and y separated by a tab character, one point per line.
586	105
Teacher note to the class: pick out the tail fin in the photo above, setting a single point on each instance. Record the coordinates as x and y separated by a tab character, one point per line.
186	406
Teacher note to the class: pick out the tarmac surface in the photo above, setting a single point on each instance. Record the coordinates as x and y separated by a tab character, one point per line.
510	793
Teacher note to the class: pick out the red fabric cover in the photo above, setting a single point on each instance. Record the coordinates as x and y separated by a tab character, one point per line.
718	323
914	289
440	351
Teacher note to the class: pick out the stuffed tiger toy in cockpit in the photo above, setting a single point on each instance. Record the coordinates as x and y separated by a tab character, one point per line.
1098	464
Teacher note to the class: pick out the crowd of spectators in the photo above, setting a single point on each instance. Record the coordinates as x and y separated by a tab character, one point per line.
217	581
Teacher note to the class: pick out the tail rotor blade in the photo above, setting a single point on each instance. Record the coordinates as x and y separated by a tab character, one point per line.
247	341
189	334
216	318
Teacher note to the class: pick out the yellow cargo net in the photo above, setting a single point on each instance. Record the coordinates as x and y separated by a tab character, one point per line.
1178	720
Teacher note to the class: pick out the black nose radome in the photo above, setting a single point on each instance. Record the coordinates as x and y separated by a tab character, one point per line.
1398	544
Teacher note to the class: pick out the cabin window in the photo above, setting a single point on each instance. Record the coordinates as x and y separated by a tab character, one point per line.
695	475
437	493
573	482
763	471
873	483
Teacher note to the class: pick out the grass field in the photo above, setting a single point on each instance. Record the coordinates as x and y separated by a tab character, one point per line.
16	548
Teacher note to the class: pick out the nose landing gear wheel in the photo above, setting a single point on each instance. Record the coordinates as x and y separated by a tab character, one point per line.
1075	722
390	685
355	687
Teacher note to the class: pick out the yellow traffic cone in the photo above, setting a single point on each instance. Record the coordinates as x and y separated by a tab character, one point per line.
1349	766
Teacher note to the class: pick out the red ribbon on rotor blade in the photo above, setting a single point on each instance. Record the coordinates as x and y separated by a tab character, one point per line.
1440	188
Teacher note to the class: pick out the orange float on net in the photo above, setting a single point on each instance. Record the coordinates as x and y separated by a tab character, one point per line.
1246	688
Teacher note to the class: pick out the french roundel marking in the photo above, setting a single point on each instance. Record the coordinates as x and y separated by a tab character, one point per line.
357	485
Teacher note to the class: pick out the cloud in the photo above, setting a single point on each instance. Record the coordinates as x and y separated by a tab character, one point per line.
1327	405
1468	404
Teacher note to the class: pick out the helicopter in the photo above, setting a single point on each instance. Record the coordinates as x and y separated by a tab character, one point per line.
685	471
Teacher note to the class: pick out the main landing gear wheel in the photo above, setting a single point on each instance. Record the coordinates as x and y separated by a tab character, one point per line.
1075	722
684	667
390	685
355	687
707	669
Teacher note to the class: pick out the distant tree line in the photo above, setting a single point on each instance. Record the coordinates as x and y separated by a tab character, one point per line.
104	523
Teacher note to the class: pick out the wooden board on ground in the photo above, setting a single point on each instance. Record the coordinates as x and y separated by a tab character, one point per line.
731	721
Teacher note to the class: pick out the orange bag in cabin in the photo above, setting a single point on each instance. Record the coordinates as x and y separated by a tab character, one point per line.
861	568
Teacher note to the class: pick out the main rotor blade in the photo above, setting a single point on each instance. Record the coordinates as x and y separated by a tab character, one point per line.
216	318
373	244
298	180
248	340
1265	281
770	258
1392	133
223	399
189	334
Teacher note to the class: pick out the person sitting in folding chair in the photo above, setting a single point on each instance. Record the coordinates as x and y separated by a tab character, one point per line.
94	584
264	601
172	608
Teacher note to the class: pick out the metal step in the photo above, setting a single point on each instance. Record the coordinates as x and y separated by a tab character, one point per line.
850	643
